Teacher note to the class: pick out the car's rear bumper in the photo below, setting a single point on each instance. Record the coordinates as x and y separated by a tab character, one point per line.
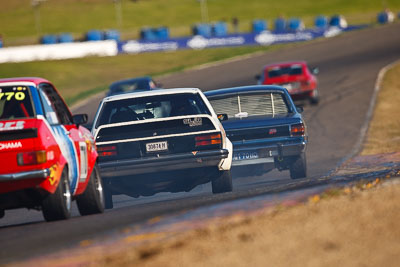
162	163
265	154
24	175
302	94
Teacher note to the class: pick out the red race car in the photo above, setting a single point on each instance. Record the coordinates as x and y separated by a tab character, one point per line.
295	76
47	158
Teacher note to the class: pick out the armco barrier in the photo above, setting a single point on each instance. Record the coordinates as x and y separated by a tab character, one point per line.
112	47
58	51
201	42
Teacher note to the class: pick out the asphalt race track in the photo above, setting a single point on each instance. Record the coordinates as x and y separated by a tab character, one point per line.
348	64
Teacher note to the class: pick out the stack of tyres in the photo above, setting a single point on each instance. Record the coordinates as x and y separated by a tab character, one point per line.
258	26
321	22
94	35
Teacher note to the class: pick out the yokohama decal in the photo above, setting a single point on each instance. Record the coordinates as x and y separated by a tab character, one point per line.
10	145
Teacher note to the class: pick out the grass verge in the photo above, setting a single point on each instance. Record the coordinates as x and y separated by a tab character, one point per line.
384	130
22	23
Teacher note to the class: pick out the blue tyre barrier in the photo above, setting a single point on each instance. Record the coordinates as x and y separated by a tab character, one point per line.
202	29
112	35
148	34
295	24
321	21
219	29
280	25
162	33
258	26
338	21
48	39
94	35
65	38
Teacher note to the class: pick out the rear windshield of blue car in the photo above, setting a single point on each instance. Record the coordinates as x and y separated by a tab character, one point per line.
15	103
131	85
151	107
246	105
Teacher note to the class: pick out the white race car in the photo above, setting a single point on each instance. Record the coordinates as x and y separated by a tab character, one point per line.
167	140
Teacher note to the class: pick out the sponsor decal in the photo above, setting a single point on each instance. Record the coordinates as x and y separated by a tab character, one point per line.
193	122
12	125
10	145
272	131
137	47
84	161
200	42
267	38
50	155
52	176
194	153
332	31
18	94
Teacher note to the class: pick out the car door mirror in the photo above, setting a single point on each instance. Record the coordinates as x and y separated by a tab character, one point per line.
315	71
299	109
222	117
80	119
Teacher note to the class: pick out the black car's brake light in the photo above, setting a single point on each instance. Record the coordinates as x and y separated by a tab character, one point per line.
297	129
107	151
210	139
31	158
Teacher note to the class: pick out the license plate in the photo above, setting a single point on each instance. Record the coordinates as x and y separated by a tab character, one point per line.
245	155
158	146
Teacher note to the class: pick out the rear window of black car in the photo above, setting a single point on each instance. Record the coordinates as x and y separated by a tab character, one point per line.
15	102
151	107
244	105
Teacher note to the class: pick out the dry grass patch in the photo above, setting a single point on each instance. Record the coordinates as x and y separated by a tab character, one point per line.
384	132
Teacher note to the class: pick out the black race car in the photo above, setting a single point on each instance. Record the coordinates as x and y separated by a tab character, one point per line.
160	141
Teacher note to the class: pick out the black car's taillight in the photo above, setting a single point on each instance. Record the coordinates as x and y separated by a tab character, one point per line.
297	129
107	151
209	139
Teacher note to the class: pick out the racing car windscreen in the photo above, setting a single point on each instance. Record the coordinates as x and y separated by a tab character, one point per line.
266	104
284	70
151	107
15	102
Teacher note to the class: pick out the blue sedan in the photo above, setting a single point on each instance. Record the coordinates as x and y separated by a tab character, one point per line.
265	127
131	85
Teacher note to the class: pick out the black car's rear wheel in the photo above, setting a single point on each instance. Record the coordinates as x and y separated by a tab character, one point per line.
298	168
222	183
92	200
57	206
